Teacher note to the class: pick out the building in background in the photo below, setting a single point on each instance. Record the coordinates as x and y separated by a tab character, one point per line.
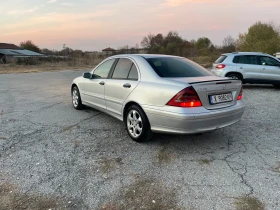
277	55
9	51
109	51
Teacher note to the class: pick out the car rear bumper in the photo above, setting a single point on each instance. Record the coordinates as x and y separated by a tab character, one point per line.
183	123
218	73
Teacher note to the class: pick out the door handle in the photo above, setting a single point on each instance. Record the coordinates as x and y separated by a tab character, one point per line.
264	68
101	83
127	85
241	68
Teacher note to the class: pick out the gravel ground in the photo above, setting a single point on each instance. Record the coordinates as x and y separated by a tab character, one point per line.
55	157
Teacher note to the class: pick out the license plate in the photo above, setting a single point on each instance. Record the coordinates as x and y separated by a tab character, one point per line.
221	98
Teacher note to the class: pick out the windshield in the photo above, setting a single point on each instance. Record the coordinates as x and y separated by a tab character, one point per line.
177	67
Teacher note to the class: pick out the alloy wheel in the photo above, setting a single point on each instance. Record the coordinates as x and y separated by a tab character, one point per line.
134	123
75	97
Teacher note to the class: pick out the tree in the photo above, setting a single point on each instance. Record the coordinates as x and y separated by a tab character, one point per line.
203	43
77	53
146	42
47	51
229	44
29	45
261	37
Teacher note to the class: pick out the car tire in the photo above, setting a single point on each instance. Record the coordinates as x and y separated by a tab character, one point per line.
235	76
137	124
277	86
76	98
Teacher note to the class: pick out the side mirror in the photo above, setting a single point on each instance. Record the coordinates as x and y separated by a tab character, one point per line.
87	75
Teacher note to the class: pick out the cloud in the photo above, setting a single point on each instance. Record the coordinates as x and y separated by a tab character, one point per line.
67	4
51	1
176	3
22	12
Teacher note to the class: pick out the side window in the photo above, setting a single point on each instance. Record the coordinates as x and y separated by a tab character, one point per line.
133	74
246	59
122	69
267	61
103	70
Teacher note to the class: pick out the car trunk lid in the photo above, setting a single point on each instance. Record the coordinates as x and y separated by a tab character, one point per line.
214	92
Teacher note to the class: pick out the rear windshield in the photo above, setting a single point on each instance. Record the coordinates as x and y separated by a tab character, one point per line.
176	67
221	59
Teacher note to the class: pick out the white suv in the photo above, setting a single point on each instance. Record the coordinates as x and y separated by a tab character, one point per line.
250	67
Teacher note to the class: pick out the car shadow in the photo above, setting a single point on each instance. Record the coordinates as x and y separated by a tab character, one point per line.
257	86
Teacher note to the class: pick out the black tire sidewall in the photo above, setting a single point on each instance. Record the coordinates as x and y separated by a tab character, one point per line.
79	100
238	76
146	131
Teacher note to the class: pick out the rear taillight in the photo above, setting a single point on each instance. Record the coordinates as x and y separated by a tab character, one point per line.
185	98
220	66
240	94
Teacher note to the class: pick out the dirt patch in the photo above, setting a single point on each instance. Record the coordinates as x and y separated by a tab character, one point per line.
205	162
12	199
276	168
109	164
164	156
248	203
67	128
144	194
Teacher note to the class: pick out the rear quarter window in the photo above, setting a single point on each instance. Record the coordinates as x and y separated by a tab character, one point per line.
221	59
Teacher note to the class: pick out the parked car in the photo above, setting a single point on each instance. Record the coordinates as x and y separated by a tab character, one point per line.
157	93
249	67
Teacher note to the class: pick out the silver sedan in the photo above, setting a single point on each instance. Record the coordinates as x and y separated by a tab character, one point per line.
159	93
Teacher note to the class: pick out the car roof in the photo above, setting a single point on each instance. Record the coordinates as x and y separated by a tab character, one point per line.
142	55
245	53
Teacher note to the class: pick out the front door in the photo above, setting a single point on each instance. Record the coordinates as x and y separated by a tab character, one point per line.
118	87
94	88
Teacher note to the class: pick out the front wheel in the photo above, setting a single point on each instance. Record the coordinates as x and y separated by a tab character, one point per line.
277	86
76	98
137	124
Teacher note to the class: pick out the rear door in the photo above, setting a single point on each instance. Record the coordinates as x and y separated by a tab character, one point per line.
270	68
121	82
248	66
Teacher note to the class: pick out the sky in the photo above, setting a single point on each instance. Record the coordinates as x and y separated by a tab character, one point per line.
97	24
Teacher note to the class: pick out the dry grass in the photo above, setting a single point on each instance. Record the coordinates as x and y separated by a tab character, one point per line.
205	61
46	67
248	203
83	63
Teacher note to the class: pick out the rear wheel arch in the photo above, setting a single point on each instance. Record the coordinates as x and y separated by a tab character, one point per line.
126	107
240	75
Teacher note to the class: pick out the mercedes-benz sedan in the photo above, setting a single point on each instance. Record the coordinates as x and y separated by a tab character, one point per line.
159	93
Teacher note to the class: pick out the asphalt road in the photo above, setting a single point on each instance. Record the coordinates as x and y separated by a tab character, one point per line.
55	157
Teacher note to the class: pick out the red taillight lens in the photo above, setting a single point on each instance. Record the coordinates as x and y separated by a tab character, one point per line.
185	98
220	66
240	94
